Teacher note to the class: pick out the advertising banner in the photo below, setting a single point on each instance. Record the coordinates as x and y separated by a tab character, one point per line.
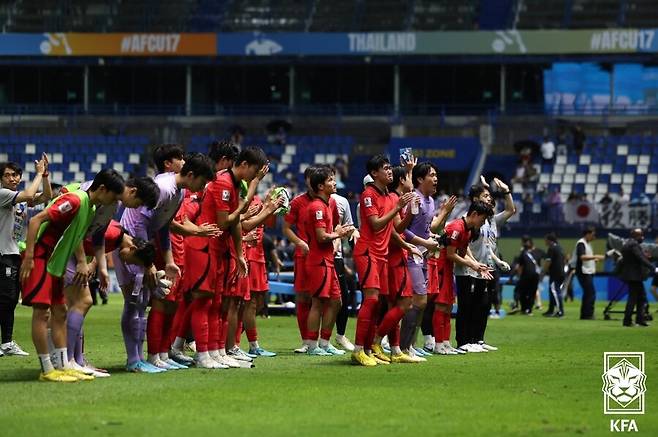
449	154
506	42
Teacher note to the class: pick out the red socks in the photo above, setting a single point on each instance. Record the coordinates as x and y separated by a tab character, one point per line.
199	310
391	320
214	323
303	309
182	318
364	319
441	324
252	334
154	328
325	334
165	343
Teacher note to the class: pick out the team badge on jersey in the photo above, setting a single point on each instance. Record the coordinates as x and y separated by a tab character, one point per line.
65	207
318	215
454	235
226	195
367	202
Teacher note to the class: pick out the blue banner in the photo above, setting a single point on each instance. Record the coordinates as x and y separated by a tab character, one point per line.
448	154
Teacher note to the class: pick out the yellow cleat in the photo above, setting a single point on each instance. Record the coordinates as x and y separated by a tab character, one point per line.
379	353
403	358
77	375
377	359
56	376
363	359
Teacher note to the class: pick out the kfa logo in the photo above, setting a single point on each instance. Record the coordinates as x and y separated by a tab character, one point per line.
624	386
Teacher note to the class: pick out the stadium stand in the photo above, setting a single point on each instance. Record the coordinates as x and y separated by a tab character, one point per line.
294	156
76	158
320	15
445	15
632	168
276	16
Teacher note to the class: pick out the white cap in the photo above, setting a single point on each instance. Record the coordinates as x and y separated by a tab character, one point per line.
368	180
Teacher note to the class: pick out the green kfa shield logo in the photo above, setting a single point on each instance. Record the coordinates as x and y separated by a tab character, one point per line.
624	383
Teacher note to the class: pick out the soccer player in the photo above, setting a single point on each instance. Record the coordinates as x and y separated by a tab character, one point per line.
256	280
13	224
377	211
210	260
399	290
251	166
297	218
223	154
458	234
52	236
137	192
344	219
322	281
476	312
136	282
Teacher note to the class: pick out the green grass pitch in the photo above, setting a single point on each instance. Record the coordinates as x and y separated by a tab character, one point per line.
544	380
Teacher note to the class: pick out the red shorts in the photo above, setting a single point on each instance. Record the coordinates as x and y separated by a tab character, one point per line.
300	277
446	287
226	279
322	281
258	277
432	278
200	271
41	287
373	273
399	282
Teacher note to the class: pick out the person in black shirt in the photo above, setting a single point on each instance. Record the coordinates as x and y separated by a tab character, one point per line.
528	270
554	267
634	269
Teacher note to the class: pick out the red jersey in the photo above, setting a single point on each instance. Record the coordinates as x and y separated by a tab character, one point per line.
60	215
379	203
113	237
220	195
297	216
319	216
396	255
254	250
189	208
458	236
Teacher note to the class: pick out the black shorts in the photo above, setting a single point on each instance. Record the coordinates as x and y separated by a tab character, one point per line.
9	284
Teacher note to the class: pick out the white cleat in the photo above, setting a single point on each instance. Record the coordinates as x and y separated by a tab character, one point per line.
208	363
302	350
442	349
414	356
227	361
180	357
344	343
191	346
12	348
239	355
157	362
487	347
476	348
